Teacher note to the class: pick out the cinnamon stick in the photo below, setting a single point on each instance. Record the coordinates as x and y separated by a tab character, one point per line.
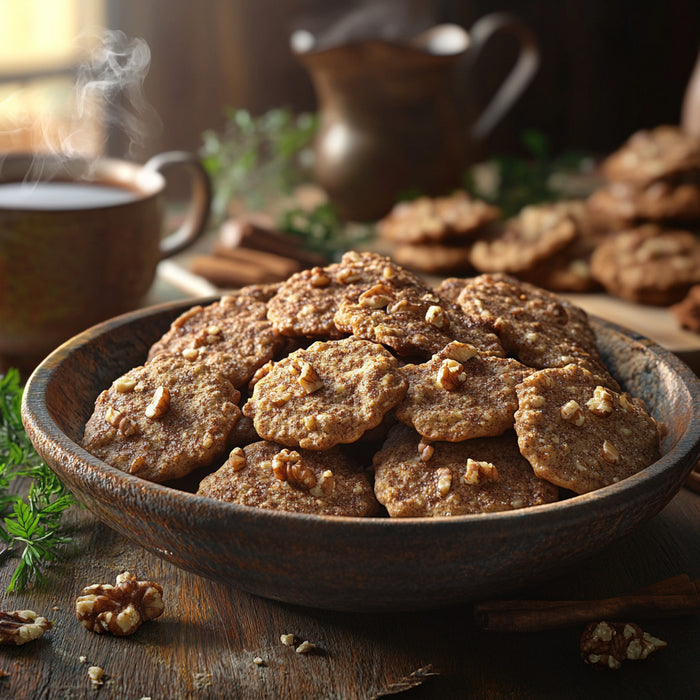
258	233
277	265
225	273
671	597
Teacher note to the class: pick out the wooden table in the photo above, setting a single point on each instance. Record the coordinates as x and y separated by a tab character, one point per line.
205	643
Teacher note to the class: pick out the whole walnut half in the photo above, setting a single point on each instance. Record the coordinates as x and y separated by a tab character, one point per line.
22	626
608	644
119	609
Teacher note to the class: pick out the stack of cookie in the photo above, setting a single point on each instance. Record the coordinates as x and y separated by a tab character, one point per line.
434	235
650	208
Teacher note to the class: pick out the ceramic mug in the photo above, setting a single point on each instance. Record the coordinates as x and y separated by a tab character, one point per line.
80	241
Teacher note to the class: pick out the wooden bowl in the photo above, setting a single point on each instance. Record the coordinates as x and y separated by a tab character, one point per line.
340	563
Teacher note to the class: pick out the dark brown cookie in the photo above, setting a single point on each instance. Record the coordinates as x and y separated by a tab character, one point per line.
455	478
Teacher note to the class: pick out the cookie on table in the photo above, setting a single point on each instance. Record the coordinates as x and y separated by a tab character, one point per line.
412	321
653	154
535	326
164	419
437	219
579	435
329	393
266	475
535	234
306	302
434	258
460	394
620	205
231	335
648	264
482	475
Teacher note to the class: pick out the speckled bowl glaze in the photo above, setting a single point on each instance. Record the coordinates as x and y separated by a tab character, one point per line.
362	564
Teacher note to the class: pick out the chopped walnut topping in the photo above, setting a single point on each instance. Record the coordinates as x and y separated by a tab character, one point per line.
319	278
119	609
288	466
347	276
190	353
538	401
608	644
450	375
376	297
325	485
601	403
426	450
444	481
124	384
627	402
436	316
120	421
571	411
461	352
237	459
478	472
610	452
21	626
308	377
159	404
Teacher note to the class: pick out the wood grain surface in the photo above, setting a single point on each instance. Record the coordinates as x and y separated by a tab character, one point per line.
205	643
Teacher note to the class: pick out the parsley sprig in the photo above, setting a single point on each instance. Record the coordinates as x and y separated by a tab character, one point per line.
32	523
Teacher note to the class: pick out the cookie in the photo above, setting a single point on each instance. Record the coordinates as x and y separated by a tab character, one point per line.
329	393
535	326
164	419
535	234
648	264
482	475
653	154
579	435
305	304
621	205
434	258
412	321
231	335
266	475
460	394
437	219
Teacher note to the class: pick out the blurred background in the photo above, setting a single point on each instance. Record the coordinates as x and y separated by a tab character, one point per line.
607	69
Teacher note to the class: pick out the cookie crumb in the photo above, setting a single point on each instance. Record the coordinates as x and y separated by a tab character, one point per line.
305	647
258	661
82	659
95	673
287	639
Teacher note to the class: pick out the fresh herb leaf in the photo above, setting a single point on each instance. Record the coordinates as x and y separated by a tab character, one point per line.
33	528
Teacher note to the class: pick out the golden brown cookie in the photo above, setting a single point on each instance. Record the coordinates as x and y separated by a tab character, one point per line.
231	335
434	258
412	321
266	475
653	154
305	304
460	394
579	435
648	264
329	393
687	311
162	420
535	234
455	478
437	219
535	326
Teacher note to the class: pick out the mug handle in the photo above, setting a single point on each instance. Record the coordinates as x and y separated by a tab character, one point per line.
198	214
520	75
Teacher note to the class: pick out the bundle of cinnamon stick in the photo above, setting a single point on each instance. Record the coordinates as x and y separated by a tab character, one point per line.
671	597
249	250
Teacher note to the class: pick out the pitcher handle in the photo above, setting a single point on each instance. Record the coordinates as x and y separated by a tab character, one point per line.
197	217
520	75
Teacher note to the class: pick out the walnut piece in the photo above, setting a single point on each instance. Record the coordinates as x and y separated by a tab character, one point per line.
608	644
450	375
159	404
480	472
119	609
21	626
288	466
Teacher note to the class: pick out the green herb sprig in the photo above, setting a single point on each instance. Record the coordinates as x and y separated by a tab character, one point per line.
33	528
